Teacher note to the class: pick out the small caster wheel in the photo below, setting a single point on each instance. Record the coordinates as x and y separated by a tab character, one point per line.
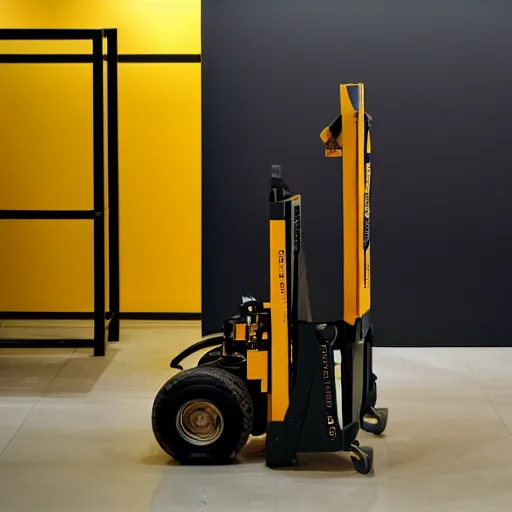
375	421
362	458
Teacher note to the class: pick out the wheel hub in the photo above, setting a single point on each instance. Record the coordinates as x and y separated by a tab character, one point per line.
200	422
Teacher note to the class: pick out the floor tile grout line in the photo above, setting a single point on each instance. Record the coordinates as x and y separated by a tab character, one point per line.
489	401
43	394
19	428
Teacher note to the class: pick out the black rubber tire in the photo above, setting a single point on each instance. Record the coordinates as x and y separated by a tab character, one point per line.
226	391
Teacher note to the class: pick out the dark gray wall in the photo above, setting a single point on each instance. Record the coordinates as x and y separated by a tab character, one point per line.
438	80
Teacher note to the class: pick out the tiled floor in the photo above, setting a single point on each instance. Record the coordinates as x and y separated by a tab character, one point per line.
75	435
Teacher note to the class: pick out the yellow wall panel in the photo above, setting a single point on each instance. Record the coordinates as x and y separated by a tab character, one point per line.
160	187
46	265
46	136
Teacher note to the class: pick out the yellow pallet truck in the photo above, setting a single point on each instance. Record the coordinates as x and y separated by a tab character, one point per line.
308	386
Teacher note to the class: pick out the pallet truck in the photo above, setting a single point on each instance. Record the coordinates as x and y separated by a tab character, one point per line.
308	386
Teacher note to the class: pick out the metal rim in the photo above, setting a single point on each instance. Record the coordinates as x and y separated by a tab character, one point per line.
200	422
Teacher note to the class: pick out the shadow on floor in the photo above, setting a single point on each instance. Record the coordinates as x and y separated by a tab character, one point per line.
51	372
254	453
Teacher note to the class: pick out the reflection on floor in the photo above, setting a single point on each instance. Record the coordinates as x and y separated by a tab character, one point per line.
75	435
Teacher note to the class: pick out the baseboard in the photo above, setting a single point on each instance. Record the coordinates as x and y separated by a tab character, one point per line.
43	315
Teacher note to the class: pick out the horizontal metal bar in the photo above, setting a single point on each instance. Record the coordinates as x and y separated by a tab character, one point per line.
36	58
159	57
85	315
48	214
45	343
46	315
80	58
48	34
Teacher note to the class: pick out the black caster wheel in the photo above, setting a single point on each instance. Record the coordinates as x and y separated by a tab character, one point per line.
375	420
362	458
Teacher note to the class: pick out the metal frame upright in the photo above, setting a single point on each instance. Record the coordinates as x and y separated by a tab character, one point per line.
105	215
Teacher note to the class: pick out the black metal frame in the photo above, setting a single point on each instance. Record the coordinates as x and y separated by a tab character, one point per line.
106	323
